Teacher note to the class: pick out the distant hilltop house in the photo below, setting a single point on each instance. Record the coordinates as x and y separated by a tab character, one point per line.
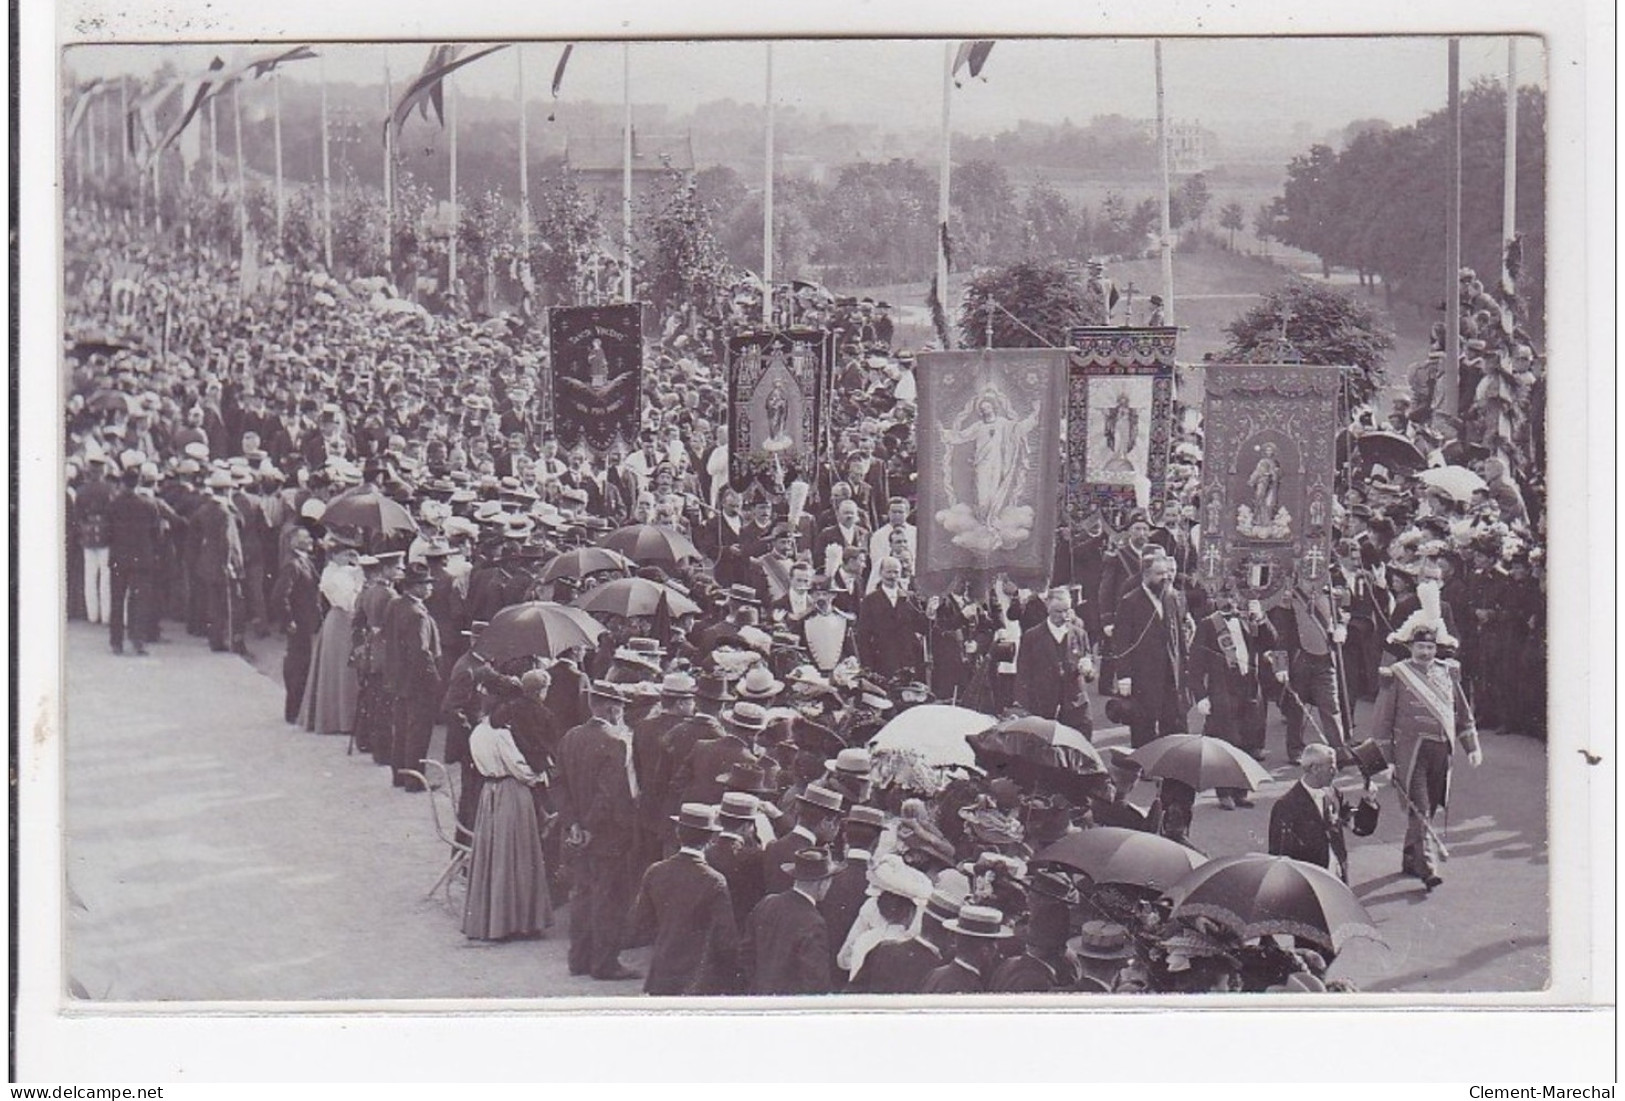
1187	146
596	163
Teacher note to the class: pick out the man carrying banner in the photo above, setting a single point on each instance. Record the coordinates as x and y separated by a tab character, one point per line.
1422	714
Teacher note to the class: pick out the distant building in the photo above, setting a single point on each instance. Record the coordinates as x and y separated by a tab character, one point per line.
597	163
1187	146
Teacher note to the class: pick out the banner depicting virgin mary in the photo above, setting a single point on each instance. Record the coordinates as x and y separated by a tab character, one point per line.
775	406
597	361
1269	462
989	461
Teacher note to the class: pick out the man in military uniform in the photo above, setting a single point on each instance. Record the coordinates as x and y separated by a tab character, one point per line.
1423	715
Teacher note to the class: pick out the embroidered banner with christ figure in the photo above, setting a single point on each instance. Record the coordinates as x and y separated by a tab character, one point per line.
989	461
1120	386
1269	462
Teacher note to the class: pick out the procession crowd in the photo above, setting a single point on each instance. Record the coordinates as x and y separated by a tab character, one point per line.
680	740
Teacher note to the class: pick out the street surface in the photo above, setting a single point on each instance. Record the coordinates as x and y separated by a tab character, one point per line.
215	853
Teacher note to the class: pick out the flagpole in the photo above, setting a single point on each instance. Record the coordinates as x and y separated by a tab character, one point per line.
124	119
451	125
90	141
157	188
327	185
767	204
626	175
1509	169
524	155
214	149
1447	402
276	133
942	190
242	177
1165	245
389	173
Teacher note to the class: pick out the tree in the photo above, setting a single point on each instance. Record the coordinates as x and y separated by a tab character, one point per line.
1032	306
1323	326
1232	218
678	255
566	232
986	224
1051	229
1265	219
1194	198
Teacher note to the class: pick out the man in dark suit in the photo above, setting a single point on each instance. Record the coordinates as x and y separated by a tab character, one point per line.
698	777
599	809
849	890
1307	822
977	932
1052	664
818	823
654	768
1149	646
412	671
786	949
135	533
296	604
847	531
890	626
219	564
686	902
1308	630
1227	679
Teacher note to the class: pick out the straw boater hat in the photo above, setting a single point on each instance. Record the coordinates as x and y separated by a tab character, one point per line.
760	684
979	921
678	685
697	816
749	780
823	798
745	715
852	762
1103	940
739	806
867	816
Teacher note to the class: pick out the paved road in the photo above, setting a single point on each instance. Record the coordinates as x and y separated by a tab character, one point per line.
215	853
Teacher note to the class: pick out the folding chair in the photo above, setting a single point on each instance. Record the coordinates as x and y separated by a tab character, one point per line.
443	809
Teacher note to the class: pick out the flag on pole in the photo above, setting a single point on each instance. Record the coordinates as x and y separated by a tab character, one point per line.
427	90
267	62
81	104
196	93
558	78
972	56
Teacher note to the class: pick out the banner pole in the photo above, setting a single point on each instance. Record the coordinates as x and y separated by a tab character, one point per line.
767	204
942	191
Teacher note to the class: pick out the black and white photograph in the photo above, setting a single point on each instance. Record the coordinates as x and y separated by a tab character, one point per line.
500	479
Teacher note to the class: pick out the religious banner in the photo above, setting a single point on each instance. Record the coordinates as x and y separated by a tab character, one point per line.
597	391
1120	399
1268	468
775	406
989	460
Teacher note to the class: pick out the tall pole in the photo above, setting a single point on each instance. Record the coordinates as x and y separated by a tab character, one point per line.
451	125
524	152
942	186
1447	402
327	185
626	175
389	174
1509	168
214	149
767	204
1165	244
276	135
242	177
123	119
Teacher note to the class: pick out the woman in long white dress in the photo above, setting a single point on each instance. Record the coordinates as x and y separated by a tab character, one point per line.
332	689
507	872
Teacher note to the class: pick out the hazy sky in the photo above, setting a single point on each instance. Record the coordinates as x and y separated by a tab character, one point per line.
1259	82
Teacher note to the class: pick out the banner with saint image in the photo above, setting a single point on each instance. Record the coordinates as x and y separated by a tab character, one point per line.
775	406
1120	387
989	460
597	368
1269	461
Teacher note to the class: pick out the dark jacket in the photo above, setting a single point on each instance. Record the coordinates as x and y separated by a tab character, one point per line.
1300	829
135	533
1047	672
899	967
296	597
785	949
696	944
